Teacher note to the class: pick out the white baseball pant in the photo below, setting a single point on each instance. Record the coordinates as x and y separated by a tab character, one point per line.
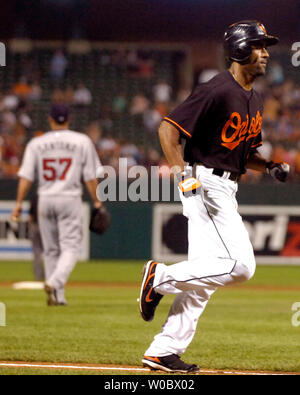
219	254
60	223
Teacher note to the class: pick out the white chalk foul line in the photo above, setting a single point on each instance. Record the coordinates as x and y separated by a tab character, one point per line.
73	367
130	369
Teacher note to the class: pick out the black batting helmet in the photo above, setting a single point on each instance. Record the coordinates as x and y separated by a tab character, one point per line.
240	36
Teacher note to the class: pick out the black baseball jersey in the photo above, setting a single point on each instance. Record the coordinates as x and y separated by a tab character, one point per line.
221	123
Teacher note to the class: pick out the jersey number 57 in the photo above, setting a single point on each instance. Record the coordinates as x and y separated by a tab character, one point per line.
56	169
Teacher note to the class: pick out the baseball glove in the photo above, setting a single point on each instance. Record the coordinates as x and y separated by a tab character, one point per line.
100	220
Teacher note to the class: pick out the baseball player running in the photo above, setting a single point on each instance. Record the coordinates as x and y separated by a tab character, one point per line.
221	125
61	158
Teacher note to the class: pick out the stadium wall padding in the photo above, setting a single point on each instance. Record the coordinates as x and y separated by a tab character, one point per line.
129	236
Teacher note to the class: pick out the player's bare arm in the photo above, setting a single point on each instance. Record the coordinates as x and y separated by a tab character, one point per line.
257	162
23	188
279	171
170	142
92	188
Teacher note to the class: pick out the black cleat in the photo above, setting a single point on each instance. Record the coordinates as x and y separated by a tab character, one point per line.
51	294
170	363
149	299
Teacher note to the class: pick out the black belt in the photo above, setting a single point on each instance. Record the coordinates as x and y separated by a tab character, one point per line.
233	175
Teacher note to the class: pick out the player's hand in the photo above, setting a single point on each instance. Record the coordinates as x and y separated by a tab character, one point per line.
16	213
97	204
188	184
279	171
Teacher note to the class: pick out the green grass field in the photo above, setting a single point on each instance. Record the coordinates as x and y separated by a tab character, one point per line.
246	327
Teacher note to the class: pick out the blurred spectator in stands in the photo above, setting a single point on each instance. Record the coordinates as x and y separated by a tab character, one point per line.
109	151
297	160
182	94
35	91
58	96
130	150
152	119
118	58
261	86
146	68
8	121
275	74
107	144
271	108
288	89
105	119
207	74
104	58
58	65
9	101
11	154
119	103
278	153
1	155
162	108
152	158
30	68
82	95
22	89
266	150
162	92
69	95
24	121
22	115
94	132
291	95
284	129
132	63
139	104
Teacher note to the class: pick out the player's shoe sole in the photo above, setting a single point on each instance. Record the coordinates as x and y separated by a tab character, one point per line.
170	364
149	299
51	295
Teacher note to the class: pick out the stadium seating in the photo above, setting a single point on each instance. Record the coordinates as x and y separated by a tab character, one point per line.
104	72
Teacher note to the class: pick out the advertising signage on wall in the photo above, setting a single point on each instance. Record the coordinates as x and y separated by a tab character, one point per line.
14	236
274	232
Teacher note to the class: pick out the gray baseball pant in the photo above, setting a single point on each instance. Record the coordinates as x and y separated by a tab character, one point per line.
60	221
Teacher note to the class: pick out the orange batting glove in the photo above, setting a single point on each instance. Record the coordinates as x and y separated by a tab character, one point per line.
188	184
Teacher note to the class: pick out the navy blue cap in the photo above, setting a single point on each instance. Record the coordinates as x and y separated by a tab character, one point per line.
60	113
